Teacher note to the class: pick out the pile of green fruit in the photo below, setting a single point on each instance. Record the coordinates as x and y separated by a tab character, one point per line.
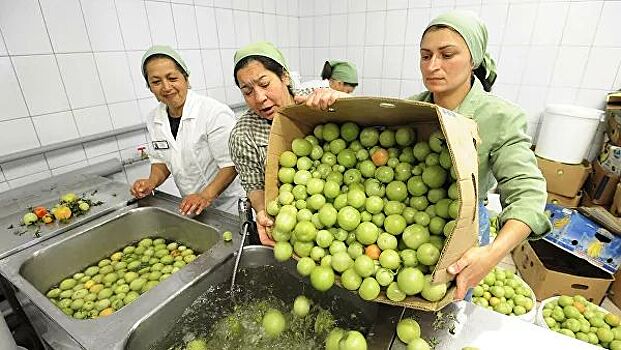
578	318
408	331
119	279
373	206
504	292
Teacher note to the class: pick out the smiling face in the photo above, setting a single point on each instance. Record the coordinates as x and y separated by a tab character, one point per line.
445	62
264	91
167	83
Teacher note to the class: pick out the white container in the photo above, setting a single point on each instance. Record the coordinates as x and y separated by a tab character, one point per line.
567	132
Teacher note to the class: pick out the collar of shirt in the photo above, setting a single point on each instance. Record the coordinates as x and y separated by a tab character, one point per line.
161	117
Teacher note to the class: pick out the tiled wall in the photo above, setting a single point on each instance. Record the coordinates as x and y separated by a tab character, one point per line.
71	68
546	51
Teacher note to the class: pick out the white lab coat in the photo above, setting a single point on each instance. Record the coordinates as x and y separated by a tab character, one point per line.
201	147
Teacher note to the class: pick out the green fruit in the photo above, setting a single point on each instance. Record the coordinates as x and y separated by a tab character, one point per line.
322	278
369	289
427	254
410	280
352	340
408	330
333	339
433	292
434	176
287	159
301	306
350	279
348	218
301	147
273	323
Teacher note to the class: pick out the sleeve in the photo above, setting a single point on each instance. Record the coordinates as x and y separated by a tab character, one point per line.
521	185
218	132
247	161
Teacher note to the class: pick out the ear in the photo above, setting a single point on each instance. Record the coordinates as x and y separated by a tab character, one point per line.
286	78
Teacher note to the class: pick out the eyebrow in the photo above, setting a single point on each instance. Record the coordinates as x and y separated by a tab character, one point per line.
440	48
243	85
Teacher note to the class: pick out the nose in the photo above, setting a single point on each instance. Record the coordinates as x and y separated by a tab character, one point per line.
166	85
434	63
260	95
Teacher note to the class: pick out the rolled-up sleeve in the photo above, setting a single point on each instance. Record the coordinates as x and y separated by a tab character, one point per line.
218	134
247	159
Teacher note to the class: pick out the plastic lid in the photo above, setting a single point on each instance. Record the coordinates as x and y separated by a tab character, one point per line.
575	111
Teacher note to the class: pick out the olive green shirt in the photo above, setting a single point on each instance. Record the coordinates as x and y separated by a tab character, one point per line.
505	155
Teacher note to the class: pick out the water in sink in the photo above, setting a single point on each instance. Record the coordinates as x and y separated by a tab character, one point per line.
236	324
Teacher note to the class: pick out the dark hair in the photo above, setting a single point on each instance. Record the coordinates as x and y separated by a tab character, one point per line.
159	55
267	62
326	73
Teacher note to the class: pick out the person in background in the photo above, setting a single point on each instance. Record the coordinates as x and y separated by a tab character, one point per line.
341	75
189	135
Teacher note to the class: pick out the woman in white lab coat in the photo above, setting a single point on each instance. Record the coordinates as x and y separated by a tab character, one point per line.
189	138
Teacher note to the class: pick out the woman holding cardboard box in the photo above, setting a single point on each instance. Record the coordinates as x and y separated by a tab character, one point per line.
458	73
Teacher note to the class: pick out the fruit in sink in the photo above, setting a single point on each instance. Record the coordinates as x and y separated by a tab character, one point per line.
69	198
30	219
70	205
40	212
62	213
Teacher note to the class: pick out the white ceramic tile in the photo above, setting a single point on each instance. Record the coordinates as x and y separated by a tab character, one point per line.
269	6
203	2
125	114
2	48
410	87
561	95
307	8
115	76
396	24
18	135
293	59
375	28
356	5
338	30
233	95
55	127
592	98
65	156
391	87
372	87
570	66
508	91
356	55
242	28
322	7
213	75
443	3
355	33
65	24
22	181
322	31
131	140
373	62
102	25
194	62
419	3
306	32
217	93
207	30
269	27
532	100
436	11
338	6
608	26
161	24
135	68
23	28
282	7
294	32
376	5
226	30
258	29
601	67
134	24
581	22
12	102
321	54
393	62
495	18
146	105
185	2
539	65
185	26
226	57
81	80
222	3
397	4
24	167
416	24
338	53
307	63
69	168
511	64
294	7
282	31
549	24
100	147
411	58
41	83
520	22
92	120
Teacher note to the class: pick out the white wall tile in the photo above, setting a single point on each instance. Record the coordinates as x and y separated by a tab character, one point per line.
338	30
125	114
257	31
356	5
419	3
410	88
24	167
306	31
550	22
226	30
416	24
397	4
356	55
322	31
391	87
41	83
520	22
102	25
608	27
195	64
100	147
242	28
495	18
217	93
338	6
226	57
269	26
322	7
294	32
532	100
373	61
282	31
396	24
372	87
185	26
443	3
307	8
62	157
69	167
115	76
22	181
539	65
569	66
355	23
23	28
185	2
376	5
161	23
511	64
269	6
55	127
2	48
19	135
338	53
294	7
135	68
65	24
307	62
92	120
207	29
134	24
375	28
131	140
411	59
393	62
617	83
293	59
561	95
282	7
146	105
81	80
233	95
581	22
592	98
508	91
222	3
321	53
601	67
213	75
12	102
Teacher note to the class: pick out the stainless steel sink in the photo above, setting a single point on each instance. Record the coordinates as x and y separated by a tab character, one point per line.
194	306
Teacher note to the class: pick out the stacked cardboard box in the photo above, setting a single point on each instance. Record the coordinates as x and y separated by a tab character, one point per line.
564	181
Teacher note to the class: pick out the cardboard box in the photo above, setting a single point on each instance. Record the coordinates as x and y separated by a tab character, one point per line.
610	158
564	179
575	233
613	118
565	201
461	134
550	271
615	207
614	293
601	185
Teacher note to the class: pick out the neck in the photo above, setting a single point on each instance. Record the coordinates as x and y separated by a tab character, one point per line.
175	112
451	99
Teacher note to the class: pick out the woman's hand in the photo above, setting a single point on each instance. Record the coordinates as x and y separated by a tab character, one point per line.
321	99
142	188
194	204
263	222
472	267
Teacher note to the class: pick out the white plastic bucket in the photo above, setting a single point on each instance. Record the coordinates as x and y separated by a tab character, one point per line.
567	132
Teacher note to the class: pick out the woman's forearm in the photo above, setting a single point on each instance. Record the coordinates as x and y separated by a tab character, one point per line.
159	173
512	233
220	182
257	199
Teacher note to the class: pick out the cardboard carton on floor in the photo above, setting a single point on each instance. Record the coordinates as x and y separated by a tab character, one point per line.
601	185
565	201
461	135
564	179
615	207
614	293
550	271
613	118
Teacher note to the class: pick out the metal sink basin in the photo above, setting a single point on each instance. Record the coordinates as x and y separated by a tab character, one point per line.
197	306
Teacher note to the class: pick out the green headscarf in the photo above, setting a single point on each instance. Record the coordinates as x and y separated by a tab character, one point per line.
474	32
166	51
340	70
261	48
